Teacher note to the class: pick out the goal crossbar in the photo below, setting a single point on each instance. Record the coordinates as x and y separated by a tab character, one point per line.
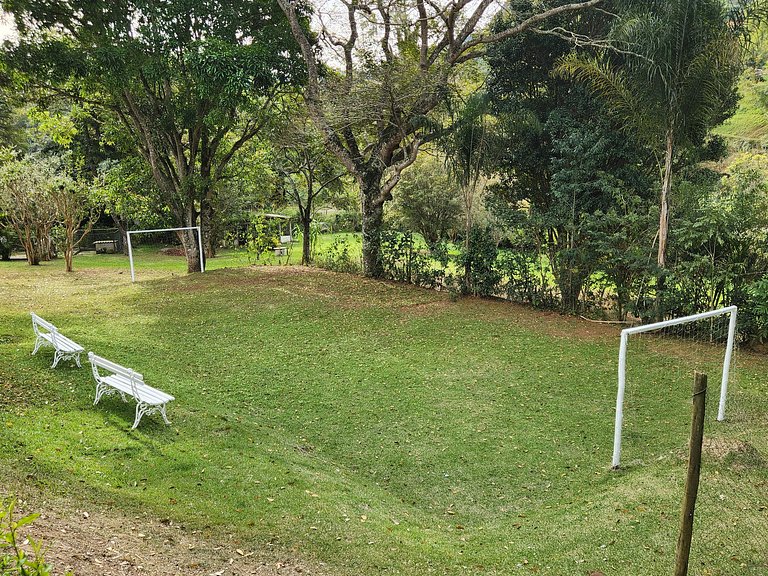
732	310
199	244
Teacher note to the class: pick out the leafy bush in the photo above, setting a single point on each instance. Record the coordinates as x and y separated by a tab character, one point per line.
403	261
480	275
428	202
347	221
262	237
522	282
338	257
7	238
753	311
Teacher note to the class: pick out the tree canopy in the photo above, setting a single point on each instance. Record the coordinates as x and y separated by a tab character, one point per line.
190	81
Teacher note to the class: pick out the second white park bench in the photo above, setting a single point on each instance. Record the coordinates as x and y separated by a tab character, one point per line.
122	380
46	334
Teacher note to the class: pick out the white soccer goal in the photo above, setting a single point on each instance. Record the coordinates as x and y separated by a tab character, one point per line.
627	332
199	244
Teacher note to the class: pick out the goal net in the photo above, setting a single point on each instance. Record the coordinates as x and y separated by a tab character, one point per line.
656	364
130	246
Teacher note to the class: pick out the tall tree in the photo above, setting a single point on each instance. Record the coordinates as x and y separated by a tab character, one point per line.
26	199
192	81
309	172
674	79
468	148
560	160
76	213
398	60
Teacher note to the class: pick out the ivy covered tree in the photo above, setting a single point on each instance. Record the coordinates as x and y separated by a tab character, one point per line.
191	81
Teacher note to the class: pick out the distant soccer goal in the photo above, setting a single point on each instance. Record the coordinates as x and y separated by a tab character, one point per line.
666	325
130	247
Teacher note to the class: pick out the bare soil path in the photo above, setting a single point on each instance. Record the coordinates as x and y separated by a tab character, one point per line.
91	542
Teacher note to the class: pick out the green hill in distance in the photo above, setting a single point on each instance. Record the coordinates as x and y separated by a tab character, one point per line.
750	122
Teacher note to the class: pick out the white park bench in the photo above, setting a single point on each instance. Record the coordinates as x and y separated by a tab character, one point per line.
121	380
48	335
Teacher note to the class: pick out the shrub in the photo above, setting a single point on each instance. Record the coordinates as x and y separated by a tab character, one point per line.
404	261
481	276
338	257
13	558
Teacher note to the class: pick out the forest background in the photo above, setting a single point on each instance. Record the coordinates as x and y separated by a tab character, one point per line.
599	158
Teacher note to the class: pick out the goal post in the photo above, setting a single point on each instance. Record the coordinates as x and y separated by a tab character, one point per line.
627	332
199	244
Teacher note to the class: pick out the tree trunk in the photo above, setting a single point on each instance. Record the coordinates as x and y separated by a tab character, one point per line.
123	233
69	248
207	227
306	225
467	285
30	247
373	222
666	186
189	241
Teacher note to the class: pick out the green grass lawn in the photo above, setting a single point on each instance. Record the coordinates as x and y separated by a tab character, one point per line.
377	428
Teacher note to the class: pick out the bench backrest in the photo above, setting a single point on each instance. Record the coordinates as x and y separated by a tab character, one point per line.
47	327
97	362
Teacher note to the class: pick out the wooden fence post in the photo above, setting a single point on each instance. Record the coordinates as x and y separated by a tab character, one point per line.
694	470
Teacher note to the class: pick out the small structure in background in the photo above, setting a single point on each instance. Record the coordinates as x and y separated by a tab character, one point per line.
105	246
102	241
284	233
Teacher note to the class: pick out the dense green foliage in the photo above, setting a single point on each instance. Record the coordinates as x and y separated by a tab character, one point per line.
190	82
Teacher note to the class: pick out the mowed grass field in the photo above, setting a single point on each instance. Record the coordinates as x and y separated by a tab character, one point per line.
374	427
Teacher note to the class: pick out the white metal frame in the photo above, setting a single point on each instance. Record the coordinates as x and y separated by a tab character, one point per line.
199	244
732	310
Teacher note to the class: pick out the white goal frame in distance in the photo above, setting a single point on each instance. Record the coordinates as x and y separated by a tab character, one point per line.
732	310
199	244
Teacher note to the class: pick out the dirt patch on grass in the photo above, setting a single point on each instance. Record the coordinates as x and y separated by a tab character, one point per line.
425	308
735	453
172	251
92	542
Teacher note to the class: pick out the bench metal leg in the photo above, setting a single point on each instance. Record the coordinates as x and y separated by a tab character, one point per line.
100	389
141	409
58	356
162	412
38	344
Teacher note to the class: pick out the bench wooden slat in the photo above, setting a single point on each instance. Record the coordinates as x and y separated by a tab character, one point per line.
114	367
143	391
44	323
63	343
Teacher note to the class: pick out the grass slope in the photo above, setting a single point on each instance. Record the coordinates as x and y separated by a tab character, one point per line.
750	122
377	428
